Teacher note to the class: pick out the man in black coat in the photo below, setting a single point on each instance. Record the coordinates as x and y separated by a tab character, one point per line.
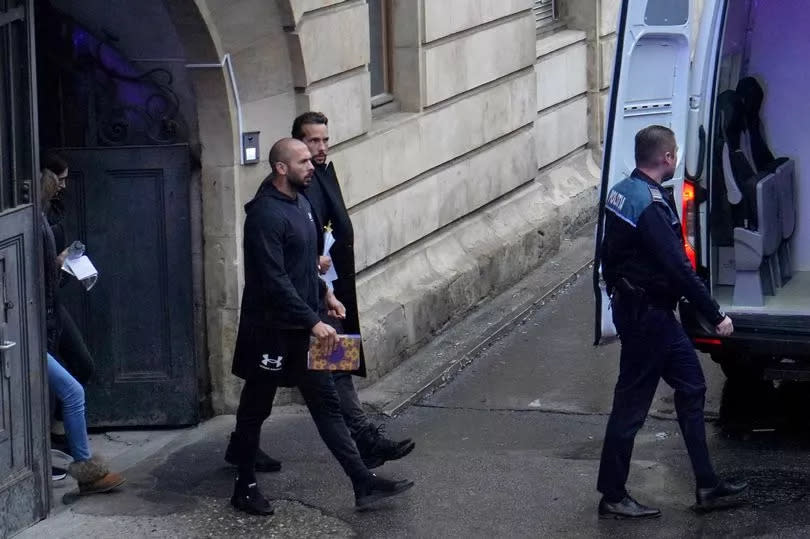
329	210
280	305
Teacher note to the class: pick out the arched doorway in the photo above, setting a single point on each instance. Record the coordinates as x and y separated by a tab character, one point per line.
116	100
162	160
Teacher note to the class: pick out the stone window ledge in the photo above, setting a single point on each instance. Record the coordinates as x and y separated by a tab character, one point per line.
383	118
387	117
548	43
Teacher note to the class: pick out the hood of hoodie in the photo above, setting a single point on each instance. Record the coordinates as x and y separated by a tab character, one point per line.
267	189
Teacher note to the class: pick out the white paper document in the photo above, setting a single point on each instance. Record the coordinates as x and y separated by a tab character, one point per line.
331	275
81	268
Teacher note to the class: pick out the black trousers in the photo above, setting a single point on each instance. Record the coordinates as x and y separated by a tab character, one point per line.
73	352
654	346
319	393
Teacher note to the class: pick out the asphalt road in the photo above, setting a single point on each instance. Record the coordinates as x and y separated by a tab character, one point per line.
509	448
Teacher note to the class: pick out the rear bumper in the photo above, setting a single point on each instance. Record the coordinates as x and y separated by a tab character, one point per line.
754	336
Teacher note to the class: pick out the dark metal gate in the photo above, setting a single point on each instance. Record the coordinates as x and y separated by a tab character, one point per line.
24	487
128	200
130	207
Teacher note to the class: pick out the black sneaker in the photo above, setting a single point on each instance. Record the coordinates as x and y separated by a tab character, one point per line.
376	449
264	462
249	499
725	495
57	473
376	488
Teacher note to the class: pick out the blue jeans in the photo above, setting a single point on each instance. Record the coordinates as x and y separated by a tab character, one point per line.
654	346
71	394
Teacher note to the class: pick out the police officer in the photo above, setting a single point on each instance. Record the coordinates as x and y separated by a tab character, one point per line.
646	270
280	306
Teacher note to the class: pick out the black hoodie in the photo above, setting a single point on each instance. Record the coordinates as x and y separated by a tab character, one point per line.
282	288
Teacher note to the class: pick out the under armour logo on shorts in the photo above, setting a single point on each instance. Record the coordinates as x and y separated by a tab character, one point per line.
269	364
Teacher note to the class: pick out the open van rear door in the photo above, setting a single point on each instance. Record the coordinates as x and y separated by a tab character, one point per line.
702	100
650	86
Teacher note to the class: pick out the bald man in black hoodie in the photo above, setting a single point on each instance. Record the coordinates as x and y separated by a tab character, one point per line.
280	305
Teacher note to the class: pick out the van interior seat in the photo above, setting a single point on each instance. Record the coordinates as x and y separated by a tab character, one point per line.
785	177
754	250
753	197
753	140
740	179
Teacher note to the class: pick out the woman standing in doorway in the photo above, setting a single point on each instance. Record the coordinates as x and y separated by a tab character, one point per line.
89	470
71	349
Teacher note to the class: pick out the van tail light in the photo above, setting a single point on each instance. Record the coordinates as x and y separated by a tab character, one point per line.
689	221
710	342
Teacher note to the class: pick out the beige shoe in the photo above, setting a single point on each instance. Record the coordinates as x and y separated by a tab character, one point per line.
94	477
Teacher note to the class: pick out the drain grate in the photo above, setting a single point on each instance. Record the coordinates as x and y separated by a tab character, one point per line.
775	487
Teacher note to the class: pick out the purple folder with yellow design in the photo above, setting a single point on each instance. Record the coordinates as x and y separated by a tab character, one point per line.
346	356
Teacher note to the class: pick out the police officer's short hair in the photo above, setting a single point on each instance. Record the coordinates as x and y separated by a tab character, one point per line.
651	142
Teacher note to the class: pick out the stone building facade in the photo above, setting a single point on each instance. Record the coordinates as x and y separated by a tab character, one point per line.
480	151
466	135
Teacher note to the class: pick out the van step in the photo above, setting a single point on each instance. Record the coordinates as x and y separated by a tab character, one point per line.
793	373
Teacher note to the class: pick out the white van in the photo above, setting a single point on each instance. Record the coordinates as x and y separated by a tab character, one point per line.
736	91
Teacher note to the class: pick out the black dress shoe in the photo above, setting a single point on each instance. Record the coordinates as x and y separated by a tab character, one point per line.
264	462
725	494
249	499
627	508
376	489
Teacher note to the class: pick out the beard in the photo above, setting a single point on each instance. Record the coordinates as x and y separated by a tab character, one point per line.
300	183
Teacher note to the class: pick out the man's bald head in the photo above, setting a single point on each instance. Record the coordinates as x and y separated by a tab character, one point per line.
292	164
283	152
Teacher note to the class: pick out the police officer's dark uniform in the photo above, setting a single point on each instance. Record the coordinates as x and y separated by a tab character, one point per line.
647	271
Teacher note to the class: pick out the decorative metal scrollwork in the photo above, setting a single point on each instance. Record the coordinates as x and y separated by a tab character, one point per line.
124	106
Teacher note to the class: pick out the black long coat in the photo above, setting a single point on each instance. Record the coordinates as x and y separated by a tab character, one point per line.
52	271
282	293
326	198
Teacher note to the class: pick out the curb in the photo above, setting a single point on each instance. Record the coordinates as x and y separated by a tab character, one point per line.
467	358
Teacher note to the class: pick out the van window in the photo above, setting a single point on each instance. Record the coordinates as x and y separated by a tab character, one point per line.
666	13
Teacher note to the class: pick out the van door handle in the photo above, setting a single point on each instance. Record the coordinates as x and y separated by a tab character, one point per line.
701	161
5	347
